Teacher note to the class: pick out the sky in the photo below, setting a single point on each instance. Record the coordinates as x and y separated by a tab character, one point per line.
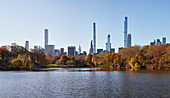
70	22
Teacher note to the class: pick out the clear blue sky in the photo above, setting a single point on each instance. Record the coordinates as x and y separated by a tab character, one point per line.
70	21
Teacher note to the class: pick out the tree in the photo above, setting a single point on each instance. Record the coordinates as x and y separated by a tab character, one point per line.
109	58
96	60
79	61
88	60
16	50
127	53
38	57
16	63
48	57
117	61
70	62
64	59
53	59
165	58
26	60
4	56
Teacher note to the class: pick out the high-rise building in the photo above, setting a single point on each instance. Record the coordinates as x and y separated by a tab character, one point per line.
50	49
84	53
108	44
13	44
158	42
163	40
129	38
79	49
27	45
99	51
35	47
125	31
112	50
62	51
91	48
72	50
46	36
76	53
152	43
57	52
94	38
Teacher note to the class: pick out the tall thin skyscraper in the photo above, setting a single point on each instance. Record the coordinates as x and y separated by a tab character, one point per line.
129	39
125	31
27	45
108	44
79	49
91	48
94	39
46	36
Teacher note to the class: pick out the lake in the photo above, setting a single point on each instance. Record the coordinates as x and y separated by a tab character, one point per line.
85	82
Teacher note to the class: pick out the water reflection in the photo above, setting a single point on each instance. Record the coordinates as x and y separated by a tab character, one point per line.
85	82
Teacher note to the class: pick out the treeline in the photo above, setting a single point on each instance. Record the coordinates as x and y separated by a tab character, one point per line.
17	57
134	57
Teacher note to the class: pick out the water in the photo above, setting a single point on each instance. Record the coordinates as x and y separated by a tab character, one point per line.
81	82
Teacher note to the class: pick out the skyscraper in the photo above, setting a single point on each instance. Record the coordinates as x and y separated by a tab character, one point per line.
13	44
61	51
94	39
158	42
129	38
50	49
125	31
72	50
79	49
163	40
108	46
27	45
46	36
91	48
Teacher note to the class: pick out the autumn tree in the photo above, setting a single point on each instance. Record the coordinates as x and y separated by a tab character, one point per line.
88	60
117	61
79	61
48	57
64	59
38	57
96	60
109	58
16	50
127	53
4	56
54	58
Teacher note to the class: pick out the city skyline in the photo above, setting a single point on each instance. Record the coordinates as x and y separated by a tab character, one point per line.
72	25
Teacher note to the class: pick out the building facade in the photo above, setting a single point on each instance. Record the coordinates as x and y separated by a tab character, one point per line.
108	44
129	39
72	50
125	31
46	36
94	38
99	51
91	48
163	40
49	49
27	45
